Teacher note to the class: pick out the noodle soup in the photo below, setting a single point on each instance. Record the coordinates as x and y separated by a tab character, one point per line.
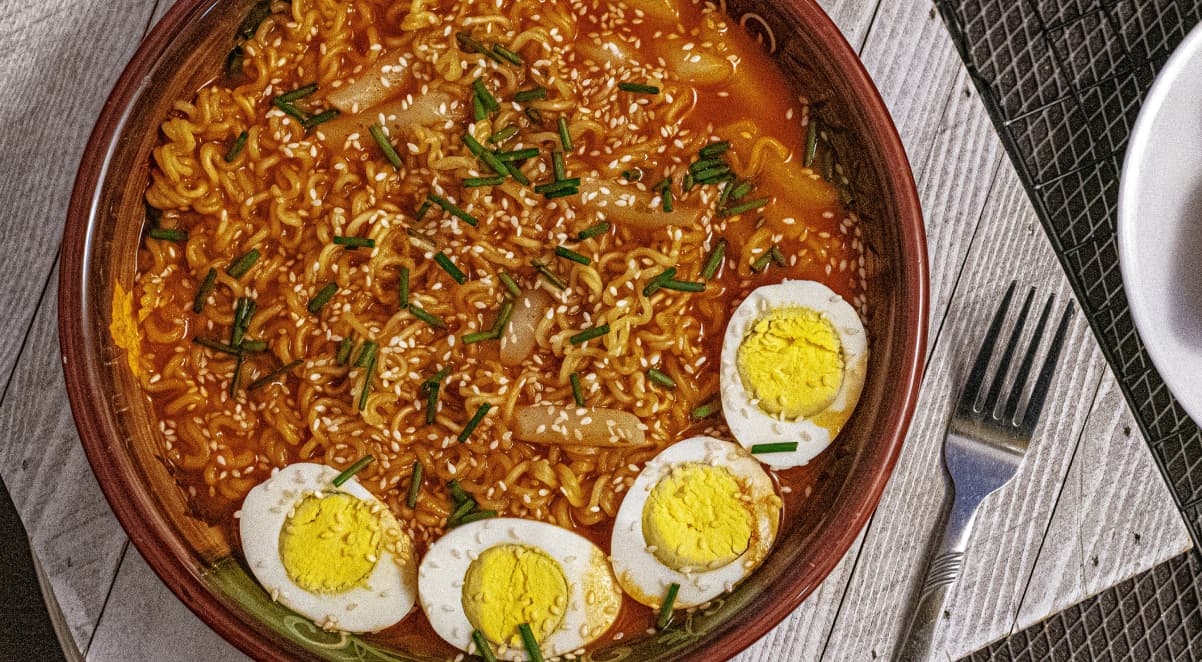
493	249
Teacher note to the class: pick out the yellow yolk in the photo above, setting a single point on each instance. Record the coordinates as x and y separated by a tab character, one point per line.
330	544
695	517
792	362
508	585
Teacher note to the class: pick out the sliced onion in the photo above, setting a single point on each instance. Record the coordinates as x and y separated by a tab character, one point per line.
629	206
398	118
384	79
560	425
517	343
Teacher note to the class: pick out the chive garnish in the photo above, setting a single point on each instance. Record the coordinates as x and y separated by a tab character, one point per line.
717	254
705	164
451	209
468	429
431	402
237	378
503	318
415	484
518	175
477	182
274	375
593	231
781	447
577	391
503	134
728	185
320	118
638	88
535	116
479	112
236	147
369	372
345	346
298	93
565	137
465	40
557	165
203	292
449	267
714	149
556	186
589	334
243	264
761	262
632	175
490	102
350	471
667	200
482	647
665	610
484	155
663	185
367	354
532	94
777	256
661	378
682	285
547	274
253	346
745	207
463	509
322	297
507	55
741	190
706	410
657	282
422	210
290	110
217	345
686	184
811	142
377	134
569	254
244	309
561	193
427	317
509	284
480	336
168	234
436	378
355	242
711	175
403	282
517	155
458	496
475	517
531	644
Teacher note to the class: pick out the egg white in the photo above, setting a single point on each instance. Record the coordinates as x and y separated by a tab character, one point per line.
643	576
750	424
594	598
390	590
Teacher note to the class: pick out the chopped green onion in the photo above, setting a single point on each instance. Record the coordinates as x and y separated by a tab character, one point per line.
717	254
320	118
517	155
745	207
217	345
531	644
665	609
370	370
532	94
244	309
367	354
682	285
714	149
589	334
535	116
243	264
169	234
449	267
547	274
274	375
427	317
345	346
558	167
657	282
509	284
661	378
705	164
712	175
663	185
761	262
422	210
203	292
781	447
253	346
565	137
811	141
686	184
451	209
436	379
507	55
484	155
482	647
569	254
632	175
552	187
728	185
518	175
638	88
577	391
465	40
593	231
403	293
298	93
377	134
355	242
350	471
415	484
463	509
322	297
477	182
480	336
561	193
490	102
431	403
236	148
474	517
503	318
777	256
503	134
706	410
667	200
468	429
458	496
479	112
290	110
237	378
741	190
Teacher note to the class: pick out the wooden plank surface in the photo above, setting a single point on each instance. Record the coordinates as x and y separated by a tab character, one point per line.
980	231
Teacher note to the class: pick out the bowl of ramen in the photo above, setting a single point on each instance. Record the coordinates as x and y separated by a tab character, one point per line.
531	330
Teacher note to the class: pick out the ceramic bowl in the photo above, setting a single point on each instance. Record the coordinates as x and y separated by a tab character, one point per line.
196	561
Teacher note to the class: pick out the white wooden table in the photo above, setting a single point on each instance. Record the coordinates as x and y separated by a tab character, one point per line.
1087	510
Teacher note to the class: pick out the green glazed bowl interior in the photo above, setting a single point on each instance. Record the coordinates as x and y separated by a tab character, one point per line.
118	430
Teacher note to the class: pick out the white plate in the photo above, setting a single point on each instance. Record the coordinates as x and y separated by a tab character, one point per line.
1160	224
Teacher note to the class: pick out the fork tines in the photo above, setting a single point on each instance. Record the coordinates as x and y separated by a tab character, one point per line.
977	402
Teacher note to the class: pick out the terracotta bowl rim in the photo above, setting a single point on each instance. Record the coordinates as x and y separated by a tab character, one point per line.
166	555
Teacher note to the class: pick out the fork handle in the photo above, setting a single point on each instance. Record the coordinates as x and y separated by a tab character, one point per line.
942	571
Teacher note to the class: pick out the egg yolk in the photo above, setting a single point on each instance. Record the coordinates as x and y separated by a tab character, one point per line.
792	362
695	517
330	544
509	585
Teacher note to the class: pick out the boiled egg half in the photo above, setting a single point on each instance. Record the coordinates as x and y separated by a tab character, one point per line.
794	360
702	514
490	577
335	555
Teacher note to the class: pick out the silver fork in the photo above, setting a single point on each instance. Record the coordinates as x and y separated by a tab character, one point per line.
985	444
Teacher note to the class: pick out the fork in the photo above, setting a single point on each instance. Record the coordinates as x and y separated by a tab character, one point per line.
985	444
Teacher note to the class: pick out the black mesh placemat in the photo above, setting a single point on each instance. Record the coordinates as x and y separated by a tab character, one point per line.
1063	81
